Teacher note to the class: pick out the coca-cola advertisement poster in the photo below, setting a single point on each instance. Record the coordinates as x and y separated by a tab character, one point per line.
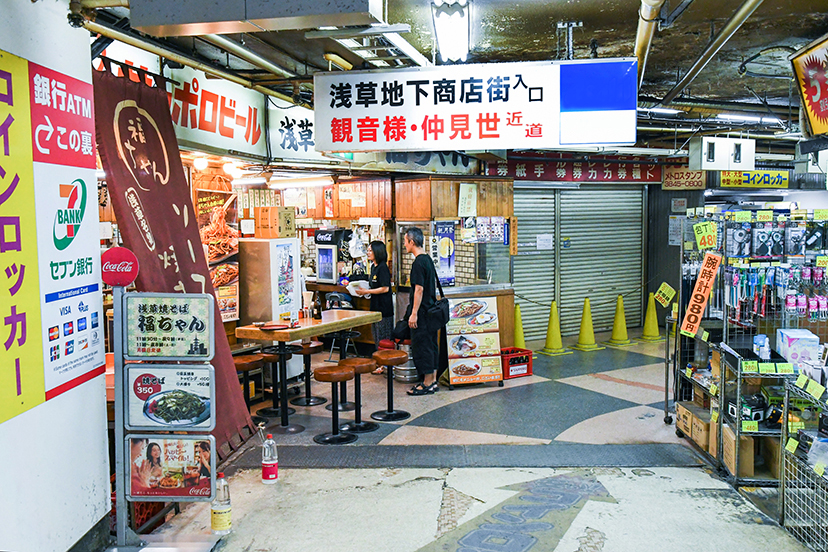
119	266
180	469
177	397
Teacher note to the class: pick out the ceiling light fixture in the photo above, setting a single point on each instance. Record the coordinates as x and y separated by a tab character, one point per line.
452	28
749	119
200	163
312	182
659	110
229	167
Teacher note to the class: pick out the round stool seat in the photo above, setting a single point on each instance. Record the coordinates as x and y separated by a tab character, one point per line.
386	344
334	373
359	365
310	348
274	358
350	334
390	358
245	363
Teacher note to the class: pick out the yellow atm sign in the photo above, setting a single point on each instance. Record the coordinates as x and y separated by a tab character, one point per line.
755	179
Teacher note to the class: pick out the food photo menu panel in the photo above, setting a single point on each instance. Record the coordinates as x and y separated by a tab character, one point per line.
473	341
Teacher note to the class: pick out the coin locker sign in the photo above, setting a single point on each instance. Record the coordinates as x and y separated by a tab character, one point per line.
701	293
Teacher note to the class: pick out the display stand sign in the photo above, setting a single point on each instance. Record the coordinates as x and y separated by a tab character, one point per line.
177	468
169	326
473	341
177	397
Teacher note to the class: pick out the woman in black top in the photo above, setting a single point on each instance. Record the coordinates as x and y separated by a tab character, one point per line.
380	293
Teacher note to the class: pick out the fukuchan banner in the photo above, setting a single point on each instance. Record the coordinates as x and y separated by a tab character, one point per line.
527	105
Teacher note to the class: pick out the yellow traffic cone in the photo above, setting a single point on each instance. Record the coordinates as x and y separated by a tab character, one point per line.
586	337
651	323
520	341
619	326
554	346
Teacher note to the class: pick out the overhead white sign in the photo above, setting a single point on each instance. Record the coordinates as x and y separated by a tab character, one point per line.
531	105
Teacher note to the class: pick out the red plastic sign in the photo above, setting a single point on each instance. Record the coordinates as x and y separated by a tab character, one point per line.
119	266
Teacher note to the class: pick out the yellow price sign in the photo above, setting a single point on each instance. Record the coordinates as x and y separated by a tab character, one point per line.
820	214
820	469
705	335
750	366
689	373
764	216
822	261
664	294
674	310
705	235
714	389
749	426
784	368
781	218
714	416
792	445
802	381
793	427
767	368
687	334
814	389
742	216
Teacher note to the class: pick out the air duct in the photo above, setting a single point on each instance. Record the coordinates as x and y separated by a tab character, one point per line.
647	14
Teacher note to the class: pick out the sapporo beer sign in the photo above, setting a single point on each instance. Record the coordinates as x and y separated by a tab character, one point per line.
701	293
119	266
169	326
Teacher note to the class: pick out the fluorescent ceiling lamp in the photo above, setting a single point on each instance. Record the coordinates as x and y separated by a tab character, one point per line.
451	27
315	181
249	181
749	119
660	110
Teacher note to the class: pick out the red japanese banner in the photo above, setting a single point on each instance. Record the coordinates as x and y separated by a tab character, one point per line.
153	205
701	293
630	170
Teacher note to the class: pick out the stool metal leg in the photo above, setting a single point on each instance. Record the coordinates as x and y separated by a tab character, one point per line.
284	426
344	405
358	426
308	400
270	411
390	415
334	437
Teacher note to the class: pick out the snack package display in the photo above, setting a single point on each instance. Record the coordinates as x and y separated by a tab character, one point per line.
738	239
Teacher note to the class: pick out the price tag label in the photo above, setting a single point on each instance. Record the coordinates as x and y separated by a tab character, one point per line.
801	381
820	214
689	246
784	368
705	336
820	469
767	368
714	389
691	212
781	218
705	235
814	389
822	261
689	373
742	216
687	334
665	294
791	445
714	416
750	426
764	216
793	427
750	366
674	310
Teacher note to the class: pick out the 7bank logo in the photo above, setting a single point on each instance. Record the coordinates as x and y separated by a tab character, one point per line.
69	217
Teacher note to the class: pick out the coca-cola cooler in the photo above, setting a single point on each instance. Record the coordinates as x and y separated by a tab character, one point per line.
330	250
270	285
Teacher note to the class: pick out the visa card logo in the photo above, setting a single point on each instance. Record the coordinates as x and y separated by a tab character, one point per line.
54	333
67	329
54	352
82	324
70	347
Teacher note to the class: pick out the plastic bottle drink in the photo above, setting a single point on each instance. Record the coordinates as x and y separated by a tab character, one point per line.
220	507
270	461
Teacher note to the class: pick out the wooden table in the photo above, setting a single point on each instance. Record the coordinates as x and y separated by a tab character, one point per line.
332	321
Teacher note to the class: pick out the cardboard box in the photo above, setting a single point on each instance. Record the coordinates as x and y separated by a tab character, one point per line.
713	441
275	222
684	418
700	398
797	346
716	364
771	449
746	448
701	429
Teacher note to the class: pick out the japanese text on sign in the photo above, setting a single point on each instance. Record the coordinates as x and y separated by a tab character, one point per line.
682	178
755	179
665	294
701	293
705	235
169	326
627	169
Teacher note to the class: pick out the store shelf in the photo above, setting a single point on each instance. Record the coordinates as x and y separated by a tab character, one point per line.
763	431
805	503
802	394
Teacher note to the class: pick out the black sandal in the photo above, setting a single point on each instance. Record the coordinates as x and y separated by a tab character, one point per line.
433	388
420	389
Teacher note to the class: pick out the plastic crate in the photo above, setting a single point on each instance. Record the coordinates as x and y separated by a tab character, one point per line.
516	362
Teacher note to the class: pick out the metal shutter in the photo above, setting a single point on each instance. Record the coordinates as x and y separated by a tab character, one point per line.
533	271
605	257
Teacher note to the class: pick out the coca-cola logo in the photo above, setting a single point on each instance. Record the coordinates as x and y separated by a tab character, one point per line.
200	491
119	266
324	237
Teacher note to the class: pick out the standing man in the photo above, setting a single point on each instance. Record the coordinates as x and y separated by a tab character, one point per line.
423	295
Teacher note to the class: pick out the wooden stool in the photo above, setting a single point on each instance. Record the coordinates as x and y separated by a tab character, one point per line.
244	364
360	366
334	374
271	357
389	359
309	349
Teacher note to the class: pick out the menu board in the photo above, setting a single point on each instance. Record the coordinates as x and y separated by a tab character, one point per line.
180	468
169	326
473	341
173	397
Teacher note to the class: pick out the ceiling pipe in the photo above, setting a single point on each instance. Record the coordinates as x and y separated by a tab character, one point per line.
95	4
729	29
647	15
247	55
138	42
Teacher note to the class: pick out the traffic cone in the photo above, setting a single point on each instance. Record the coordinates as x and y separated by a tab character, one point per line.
651	334
619	326
520	341
553	346
586	337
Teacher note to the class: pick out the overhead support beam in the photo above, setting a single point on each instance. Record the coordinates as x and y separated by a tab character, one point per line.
729	29
374	30
247	55
161	51
647	21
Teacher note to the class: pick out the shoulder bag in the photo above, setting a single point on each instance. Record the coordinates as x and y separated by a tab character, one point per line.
438	313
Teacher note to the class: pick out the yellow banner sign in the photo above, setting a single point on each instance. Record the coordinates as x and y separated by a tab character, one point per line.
809	67
677	177
705	235
755	179
665	294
